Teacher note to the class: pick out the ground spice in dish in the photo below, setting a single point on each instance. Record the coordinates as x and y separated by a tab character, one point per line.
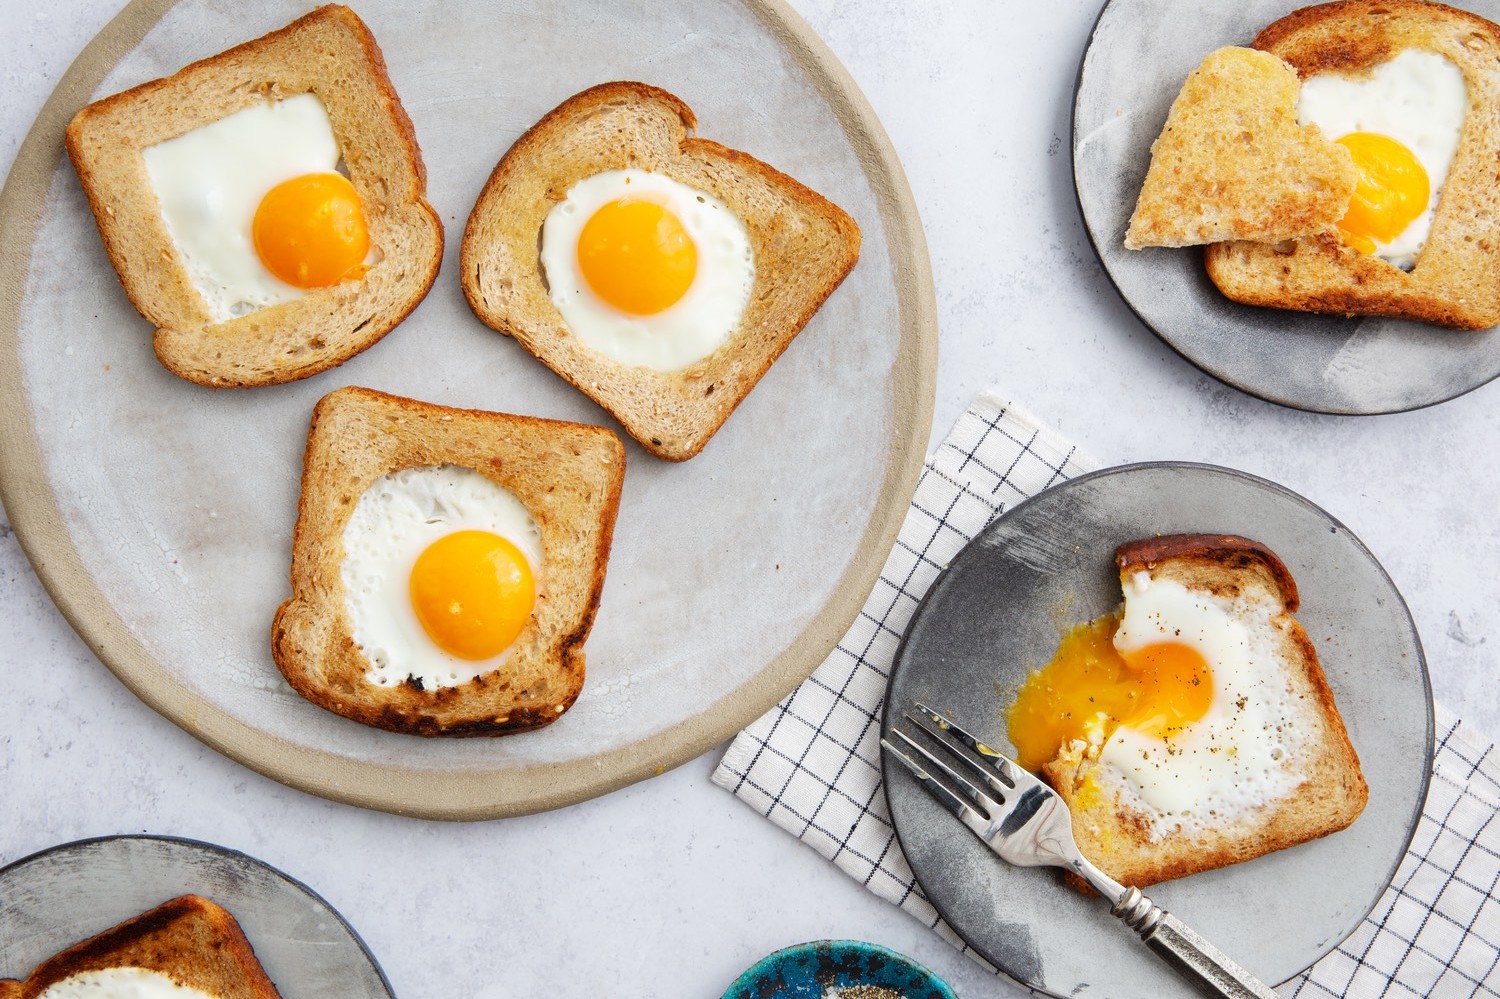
863	992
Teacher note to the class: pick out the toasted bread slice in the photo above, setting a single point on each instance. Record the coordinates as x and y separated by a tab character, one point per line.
1456	280
1314	785
1232	162
331	54
567	475
803	246
189	940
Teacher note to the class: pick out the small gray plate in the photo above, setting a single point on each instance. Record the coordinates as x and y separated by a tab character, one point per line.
1140	53
53	899
996	613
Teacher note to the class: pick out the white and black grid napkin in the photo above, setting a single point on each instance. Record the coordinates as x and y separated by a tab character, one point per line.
812	764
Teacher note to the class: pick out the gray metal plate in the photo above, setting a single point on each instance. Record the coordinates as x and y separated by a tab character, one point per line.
1140	53
996	614
53	899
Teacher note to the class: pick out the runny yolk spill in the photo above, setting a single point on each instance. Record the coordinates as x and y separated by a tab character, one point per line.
473	592
1391	193
310	231
637	256
1089	685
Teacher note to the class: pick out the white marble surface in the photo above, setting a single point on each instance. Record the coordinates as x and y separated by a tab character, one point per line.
671	887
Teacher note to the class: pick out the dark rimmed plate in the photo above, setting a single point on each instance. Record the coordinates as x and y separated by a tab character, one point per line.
1140	53
55	898
996	613
822	968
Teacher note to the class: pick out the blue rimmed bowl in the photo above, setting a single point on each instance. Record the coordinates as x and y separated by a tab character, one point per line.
820	968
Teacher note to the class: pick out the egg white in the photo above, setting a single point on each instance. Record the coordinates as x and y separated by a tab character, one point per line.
1242	754
690	329
394	521
120	983
1419	98
210	181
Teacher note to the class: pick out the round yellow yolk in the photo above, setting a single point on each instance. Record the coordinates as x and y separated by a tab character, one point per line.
310	230
1391	193
473	591
1089	687
637	256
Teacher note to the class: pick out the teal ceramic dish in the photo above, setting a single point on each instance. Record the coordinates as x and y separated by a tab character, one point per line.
823	969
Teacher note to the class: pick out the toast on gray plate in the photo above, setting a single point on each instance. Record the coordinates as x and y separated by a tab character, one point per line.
1267	766
216	334
187	941
567	476
1456	278
803	246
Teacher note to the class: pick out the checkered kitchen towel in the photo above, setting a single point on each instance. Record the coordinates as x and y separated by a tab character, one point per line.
812	764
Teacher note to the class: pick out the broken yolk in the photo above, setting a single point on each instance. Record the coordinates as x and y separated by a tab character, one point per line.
1089	689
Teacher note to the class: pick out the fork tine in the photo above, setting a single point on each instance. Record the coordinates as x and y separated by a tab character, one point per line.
995	770
947	797
948	767
964	736
953	802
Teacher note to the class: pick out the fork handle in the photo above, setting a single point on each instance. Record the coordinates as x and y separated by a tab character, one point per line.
1193	957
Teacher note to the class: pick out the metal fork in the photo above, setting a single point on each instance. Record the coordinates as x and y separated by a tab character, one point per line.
1028	825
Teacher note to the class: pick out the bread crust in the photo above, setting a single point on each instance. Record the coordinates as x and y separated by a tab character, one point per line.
804	247
1231	558
1456	281
189	939
331	54
569	477
1119	838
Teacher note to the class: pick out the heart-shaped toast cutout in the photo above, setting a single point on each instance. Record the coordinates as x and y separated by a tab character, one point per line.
1233	163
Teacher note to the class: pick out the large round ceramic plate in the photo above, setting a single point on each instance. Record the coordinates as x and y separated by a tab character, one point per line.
995	614
53	899
159	514
1140	53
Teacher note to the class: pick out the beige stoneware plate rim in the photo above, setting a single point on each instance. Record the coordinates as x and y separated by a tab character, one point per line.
37	520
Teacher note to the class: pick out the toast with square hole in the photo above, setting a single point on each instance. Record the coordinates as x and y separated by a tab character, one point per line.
659	273
1194	728
264	208
446	564
185	948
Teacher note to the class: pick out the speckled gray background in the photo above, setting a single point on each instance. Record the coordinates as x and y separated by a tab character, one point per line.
671	888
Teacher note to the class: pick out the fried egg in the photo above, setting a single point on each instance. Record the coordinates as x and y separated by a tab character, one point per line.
120	983
442	568
1177	696
1401	123
645	269
256	207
